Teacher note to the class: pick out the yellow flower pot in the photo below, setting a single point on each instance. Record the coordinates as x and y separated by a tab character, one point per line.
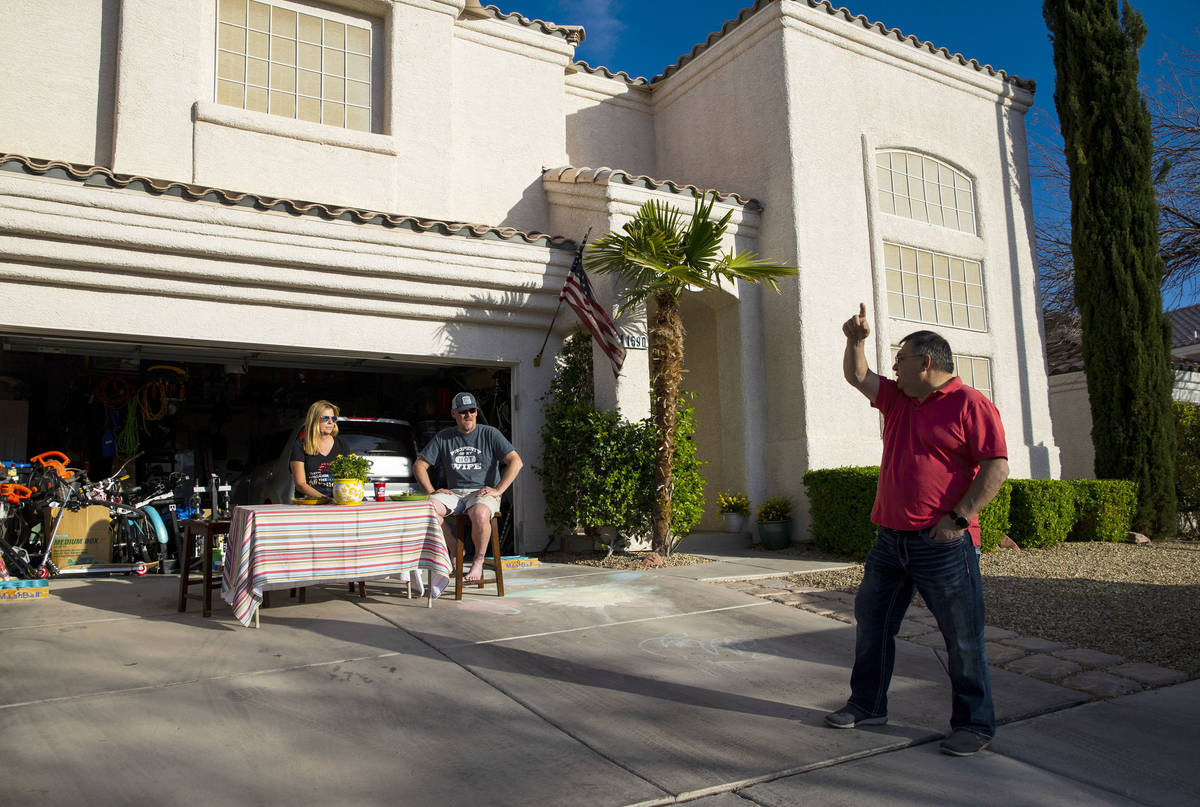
348	491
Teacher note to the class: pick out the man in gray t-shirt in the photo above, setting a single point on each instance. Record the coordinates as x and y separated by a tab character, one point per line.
479	464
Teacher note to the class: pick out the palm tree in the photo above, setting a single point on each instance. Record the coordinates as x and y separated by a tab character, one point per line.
658	255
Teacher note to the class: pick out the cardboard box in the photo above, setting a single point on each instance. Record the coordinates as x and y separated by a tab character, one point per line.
83	536
13	590
516	562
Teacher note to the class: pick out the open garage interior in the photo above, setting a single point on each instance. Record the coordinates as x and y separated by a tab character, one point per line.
204	410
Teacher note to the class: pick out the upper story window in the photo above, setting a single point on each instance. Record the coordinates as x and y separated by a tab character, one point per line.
290	60
931	287
975	371
925	189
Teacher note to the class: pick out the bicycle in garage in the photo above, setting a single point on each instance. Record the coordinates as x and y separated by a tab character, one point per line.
140	538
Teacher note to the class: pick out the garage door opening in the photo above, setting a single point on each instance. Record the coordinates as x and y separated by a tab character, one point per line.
202	411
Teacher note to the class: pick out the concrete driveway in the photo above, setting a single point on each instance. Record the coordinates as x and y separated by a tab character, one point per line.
581	687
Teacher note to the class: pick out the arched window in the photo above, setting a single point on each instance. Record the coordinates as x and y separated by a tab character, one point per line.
925	189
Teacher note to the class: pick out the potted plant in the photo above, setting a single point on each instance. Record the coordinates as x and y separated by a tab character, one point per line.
349	475
775	522
735	509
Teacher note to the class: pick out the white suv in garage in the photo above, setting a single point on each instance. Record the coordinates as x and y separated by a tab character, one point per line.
388	444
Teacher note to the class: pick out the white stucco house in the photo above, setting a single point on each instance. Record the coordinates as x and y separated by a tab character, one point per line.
399	184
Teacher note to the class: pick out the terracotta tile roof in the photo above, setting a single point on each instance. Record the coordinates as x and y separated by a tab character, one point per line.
572	33
1063	355
1064	352
829	8
96	175
606	176
1185	326
620	75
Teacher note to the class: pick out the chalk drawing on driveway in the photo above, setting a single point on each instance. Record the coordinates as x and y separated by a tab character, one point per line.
711	656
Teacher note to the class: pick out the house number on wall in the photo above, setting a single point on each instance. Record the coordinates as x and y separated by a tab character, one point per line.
634	341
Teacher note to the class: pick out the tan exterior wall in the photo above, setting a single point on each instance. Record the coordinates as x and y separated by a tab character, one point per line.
1072	414
60	80
609	122
508	122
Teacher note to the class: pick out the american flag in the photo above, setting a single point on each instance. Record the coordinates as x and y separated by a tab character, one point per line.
577	291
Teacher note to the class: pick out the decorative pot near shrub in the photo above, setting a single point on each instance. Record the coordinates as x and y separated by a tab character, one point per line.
775	522
735	509
734	522
349	477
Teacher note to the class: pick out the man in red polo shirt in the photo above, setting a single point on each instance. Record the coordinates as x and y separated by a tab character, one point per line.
944	458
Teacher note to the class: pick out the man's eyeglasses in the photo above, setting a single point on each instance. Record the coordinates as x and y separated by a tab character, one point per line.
910	356
467	411
328	419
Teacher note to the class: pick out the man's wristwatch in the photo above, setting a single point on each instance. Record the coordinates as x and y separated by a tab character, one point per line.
959	521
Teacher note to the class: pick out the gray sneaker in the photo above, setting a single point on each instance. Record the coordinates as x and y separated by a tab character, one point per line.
850	716
963	743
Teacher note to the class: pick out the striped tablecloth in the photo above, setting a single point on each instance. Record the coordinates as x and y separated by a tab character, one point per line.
274	546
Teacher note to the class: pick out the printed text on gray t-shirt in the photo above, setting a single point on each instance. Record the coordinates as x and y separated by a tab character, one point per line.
469	460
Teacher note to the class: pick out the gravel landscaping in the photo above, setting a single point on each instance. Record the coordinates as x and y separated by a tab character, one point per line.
1138	602
622	560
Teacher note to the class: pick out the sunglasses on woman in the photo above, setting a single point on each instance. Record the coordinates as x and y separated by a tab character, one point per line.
328	419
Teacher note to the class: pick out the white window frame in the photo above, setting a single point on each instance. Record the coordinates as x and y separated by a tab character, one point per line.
968	366
934	287
923	188
345	94
971	378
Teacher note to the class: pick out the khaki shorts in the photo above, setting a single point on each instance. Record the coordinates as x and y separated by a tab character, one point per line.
463	499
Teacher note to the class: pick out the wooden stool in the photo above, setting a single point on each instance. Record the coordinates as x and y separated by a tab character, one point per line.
191	530
462	529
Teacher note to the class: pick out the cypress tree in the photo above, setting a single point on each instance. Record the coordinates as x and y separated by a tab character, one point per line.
1114	243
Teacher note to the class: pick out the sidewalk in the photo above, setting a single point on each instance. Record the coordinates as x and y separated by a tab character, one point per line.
582	686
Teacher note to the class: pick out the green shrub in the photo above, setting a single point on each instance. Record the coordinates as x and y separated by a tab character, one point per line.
597	469
687	498
776	508
583	453
840	501
1187	456
1033	512
994	521
1042	512
1103	509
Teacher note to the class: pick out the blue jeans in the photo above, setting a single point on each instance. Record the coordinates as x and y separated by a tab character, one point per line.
947	575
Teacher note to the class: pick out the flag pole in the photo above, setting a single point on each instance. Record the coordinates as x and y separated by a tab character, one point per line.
537	360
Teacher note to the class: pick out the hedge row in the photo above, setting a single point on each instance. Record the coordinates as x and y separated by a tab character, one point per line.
1033	512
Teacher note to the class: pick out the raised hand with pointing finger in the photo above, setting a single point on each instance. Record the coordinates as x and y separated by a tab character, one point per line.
857	327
